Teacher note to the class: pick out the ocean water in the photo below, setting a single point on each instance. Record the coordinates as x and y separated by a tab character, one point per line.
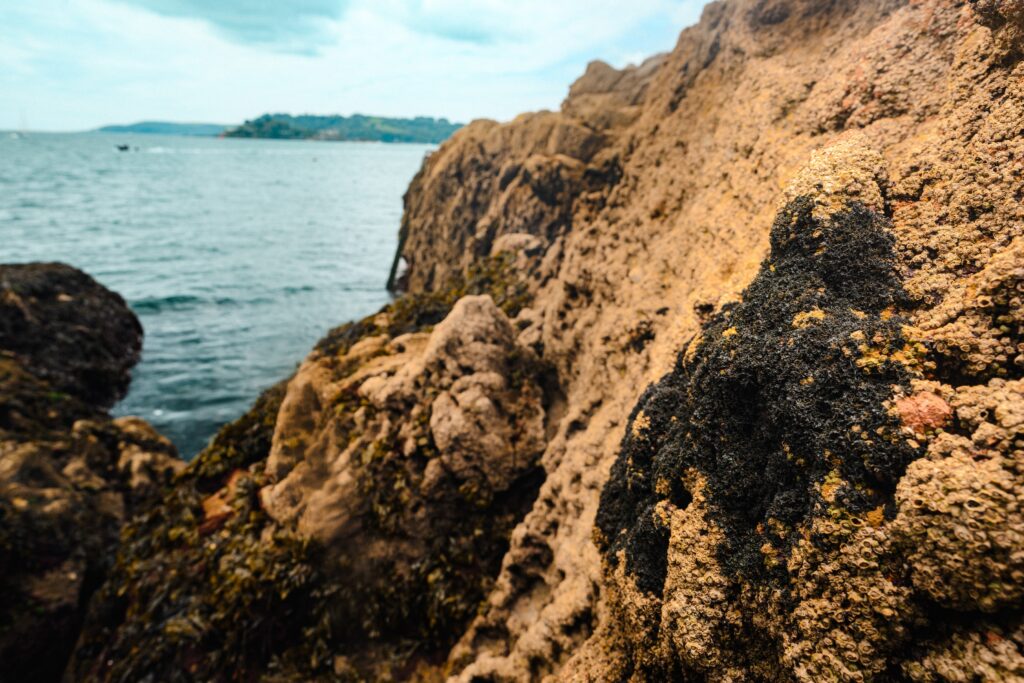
237	255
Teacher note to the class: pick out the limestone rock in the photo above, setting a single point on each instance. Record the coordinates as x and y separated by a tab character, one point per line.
772	280
416	458
910	112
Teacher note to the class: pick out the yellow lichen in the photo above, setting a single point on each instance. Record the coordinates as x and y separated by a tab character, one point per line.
805	318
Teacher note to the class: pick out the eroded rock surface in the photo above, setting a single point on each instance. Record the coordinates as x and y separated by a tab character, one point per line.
903	119
350	525
839	514
419	465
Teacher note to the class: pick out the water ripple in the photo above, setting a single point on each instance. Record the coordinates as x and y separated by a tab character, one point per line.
237	255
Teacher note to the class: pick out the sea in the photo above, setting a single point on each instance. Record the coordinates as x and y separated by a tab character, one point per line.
236	255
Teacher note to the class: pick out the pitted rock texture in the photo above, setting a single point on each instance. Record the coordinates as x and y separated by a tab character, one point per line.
801	228
349	526
902	117
419	464
781	411
69	475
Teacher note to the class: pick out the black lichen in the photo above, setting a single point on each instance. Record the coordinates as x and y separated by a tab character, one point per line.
780	407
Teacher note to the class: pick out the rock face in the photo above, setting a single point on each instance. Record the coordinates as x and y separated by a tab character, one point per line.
412	470
715	374
784	434
824	485
69	475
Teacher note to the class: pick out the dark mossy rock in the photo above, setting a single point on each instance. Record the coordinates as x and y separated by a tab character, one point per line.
190	601
31	408
779	391
239	444
66	328
414	312
69	475
205	586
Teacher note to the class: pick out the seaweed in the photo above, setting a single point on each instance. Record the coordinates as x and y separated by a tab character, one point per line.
190	602
419	311
782	391
240	443
208	587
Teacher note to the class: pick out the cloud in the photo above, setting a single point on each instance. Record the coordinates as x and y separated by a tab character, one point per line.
77	64
489	22
300	26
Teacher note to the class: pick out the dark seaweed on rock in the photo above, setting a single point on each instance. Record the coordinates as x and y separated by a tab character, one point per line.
417	311
227	598
239	444
69	330
783	389
69	474
208	587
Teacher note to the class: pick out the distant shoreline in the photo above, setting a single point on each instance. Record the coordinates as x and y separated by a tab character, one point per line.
167	128
355	128
97	132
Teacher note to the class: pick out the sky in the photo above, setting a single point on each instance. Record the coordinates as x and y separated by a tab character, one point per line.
70	65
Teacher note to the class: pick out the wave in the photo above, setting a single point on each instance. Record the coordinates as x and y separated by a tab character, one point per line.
183	302
163	303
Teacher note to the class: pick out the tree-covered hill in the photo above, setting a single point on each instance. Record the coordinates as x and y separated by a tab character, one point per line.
357	127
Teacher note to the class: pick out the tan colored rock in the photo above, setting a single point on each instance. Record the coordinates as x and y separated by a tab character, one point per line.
485	432
913	109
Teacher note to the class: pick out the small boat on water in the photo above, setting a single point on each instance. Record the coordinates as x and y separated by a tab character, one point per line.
123	148
16	136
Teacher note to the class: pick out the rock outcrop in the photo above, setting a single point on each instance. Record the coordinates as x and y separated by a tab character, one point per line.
69	474
715	374
350	525
808	507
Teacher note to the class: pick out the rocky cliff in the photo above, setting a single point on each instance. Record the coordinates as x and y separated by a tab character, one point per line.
801	229
715	374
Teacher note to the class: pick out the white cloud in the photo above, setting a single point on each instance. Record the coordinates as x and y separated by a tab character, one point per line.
293	26
74	64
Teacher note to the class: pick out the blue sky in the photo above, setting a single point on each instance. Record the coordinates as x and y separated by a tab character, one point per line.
78	64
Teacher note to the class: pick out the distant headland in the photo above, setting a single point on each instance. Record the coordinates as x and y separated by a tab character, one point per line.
353	128
167	128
